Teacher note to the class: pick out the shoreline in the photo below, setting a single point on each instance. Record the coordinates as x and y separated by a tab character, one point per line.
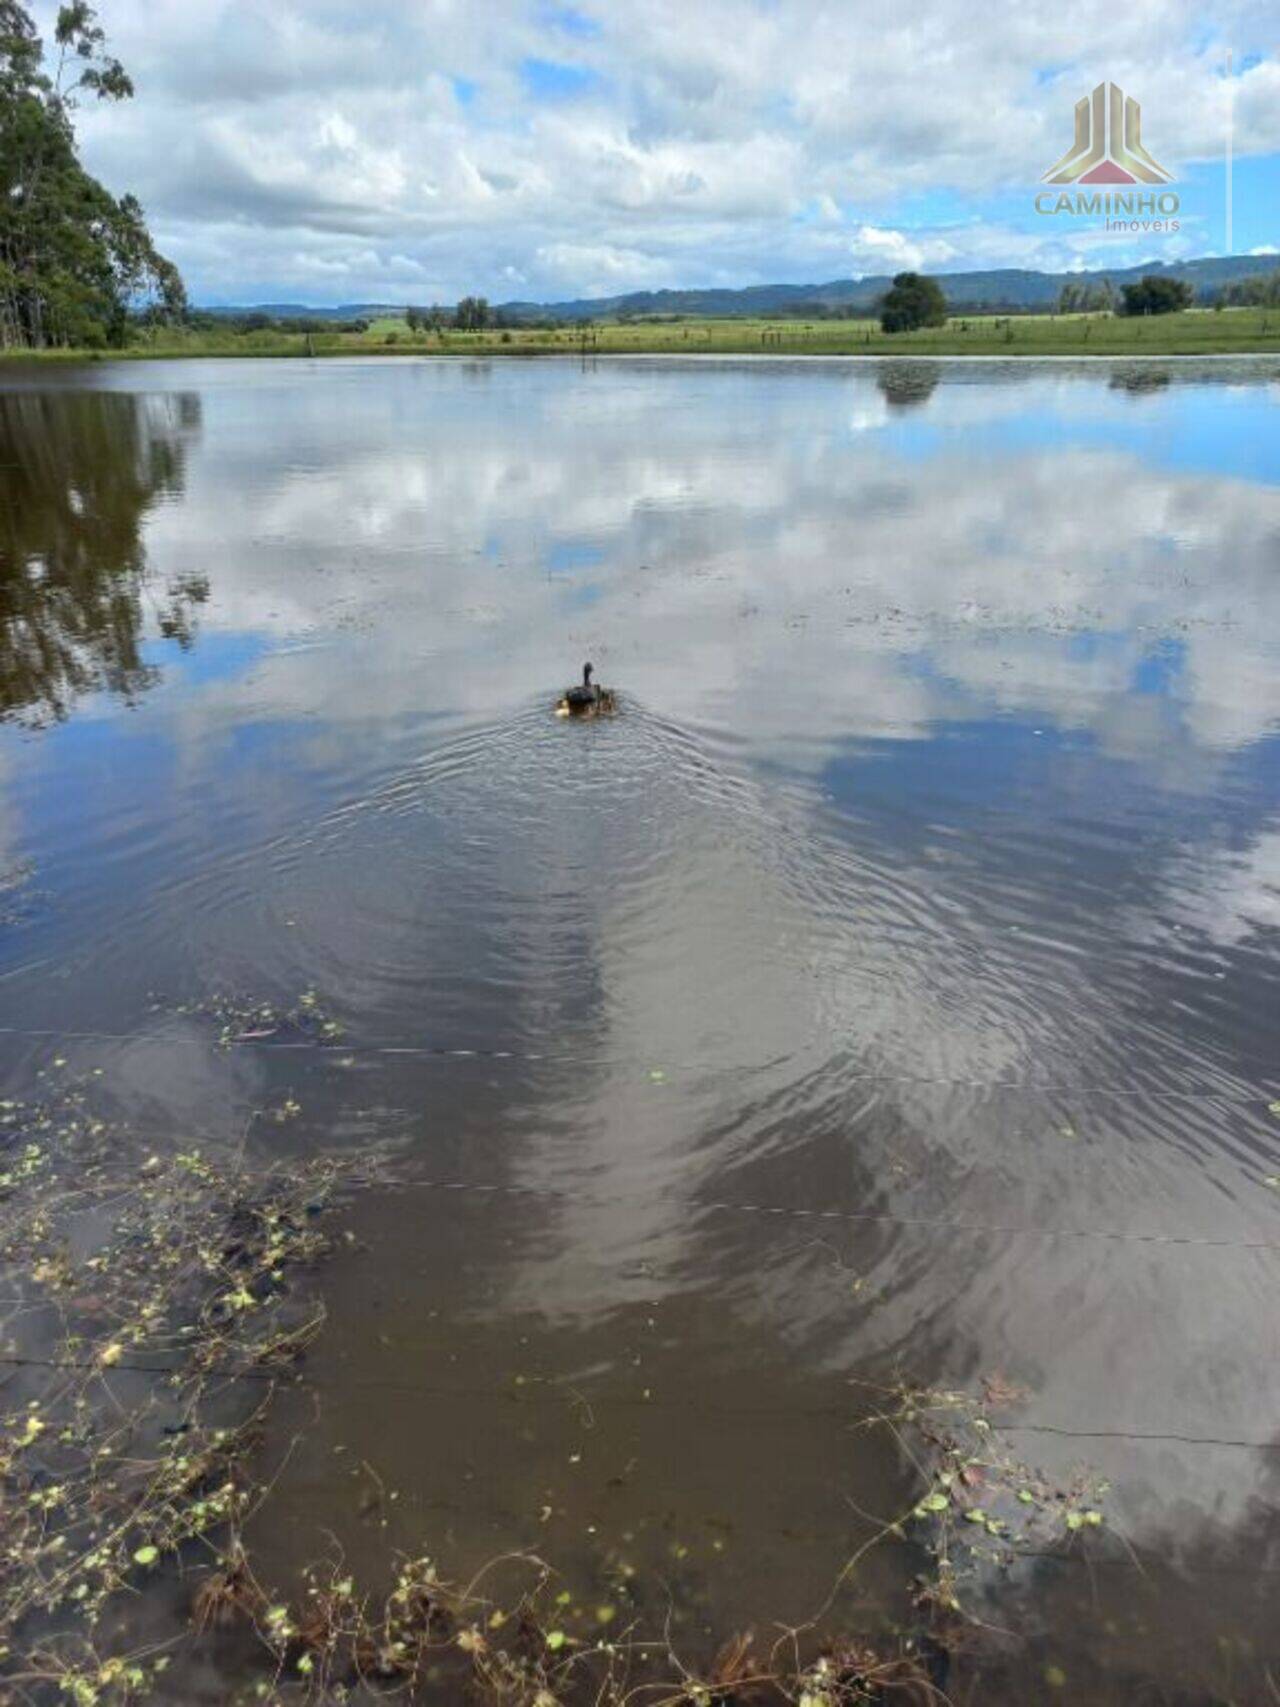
17	360
1194	332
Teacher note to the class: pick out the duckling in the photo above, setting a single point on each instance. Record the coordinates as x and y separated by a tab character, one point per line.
588	700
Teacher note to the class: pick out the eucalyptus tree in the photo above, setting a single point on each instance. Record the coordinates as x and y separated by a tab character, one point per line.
472	314
73	258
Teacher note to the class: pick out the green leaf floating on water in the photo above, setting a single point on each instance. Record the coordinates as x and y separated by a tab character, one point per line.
146	1555
556	1640
975	1516
933	1502
1274	1108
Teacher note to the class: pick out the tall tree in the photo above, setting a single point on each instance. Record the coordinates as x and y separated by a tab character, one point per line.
472	314
1156	294
913	301
1259	290
73	259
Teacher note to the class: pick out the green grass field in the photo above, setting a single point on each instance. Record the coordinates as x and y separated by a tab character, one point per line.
1232	331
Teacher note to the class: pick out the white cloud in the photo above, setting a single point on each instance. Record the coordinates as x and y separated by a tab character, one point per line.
602	269
726	142
878	250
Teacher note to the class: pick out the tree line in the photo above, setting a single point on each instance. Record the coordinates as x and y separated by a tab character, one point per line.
1154	293
74	260
470	314
256	320
1260	290
914	301
1087	296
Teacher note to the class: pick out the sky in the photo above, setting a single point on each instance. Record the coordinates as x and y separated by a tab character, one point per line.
330	151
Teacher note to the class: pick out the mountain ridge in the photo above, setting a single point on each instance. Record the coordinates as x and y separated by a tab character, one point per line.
990	290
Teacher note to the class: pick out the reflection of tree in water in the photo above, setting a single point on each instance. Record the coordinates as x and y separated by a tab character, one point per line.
905	384
1139	380
79	471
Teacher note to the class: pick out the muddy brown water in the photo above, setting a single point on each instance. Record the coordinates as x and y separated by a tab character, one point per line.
890	988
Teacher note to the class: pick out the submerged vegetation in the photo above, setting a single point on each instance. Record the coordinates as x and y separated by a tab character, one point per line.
156	1298
151	1309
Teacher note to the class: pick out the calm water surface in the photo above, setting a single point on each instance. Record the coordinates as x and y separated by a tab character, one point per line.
929	879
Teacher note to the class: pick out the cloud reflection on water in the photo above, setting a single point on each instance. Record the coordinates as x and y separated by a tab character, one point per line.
949	758
756	566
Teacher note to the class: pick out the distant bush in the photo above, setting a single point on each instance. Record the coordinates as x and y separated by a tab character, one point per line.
241	325
317	324
912	301
1156	294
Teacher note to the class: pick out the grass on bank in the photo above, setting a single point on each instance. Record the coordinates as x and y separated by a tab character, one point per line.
1196	331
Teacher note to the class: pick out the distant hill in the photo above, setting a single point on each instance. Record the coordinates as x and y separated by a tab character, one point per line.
1004	289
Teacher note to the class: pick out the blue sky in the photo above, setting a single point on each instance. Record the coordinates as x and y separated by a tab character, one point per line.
414	150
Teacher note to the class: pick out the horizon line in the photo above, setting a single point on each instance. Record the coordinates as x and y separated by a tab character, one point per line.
1263	257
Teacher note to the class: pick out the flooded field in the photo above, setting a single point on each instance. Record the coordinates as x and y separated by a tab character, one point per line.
886	997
